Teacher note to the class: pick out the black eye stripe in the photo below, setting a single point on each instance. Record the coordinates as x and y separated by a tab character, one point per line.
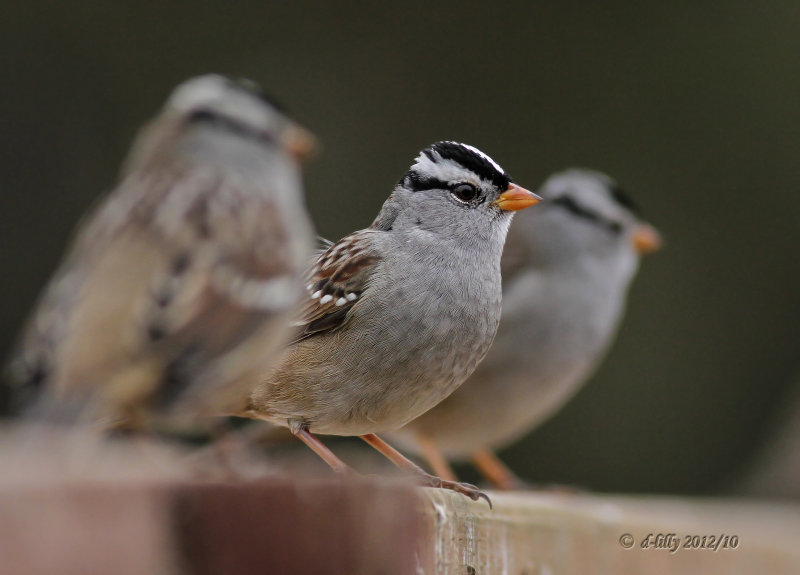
571	206
210	117
417	183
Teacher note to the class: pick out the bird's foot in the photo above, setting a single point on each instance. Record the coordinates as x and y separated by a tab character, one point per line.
467	489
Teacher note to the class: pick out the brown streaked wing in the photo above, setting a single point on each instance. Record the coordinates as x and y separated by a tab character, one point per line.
336	284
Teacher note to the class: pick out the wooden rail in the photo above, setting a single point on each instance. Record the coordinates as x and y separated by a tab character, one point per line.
538	534
68	506
289	525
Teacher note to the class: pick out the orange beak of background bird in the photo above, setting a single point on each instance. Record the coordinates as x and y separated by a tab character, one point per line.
646	239
516	198
298	142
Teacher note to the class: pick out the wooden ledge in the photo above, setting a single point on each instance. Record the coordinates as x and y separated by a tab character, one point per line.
278	525
173	526
537	533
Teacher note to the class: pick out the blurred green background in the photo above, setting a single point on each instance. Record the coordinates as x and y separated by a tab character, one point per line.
693	107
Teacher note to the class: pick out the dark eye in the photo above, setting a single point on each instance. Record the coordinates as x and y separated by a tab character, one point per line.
465	192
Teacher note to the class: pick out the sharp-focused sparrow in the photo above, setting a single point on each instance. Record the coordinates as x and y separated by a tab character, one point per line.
399	314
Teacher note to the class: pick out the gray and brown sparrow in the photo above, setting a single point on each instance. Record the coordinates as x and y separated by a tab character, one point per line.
181	284
566	269
398	314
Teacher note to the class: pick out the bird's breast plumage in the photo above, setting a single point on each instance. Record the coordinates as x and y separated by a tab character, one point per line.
421	326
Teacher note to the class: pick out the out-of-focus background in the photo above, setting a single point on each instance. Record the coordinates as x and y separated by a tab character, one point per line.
693	108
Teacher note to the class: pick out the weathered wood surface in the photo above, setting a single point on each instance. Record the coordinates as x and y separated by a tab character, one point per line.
70	507
272	526
326	526
548	534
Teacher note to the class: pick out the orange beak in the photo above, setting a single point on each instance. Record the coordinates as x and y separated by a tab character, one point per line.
298	142
516	198
646	239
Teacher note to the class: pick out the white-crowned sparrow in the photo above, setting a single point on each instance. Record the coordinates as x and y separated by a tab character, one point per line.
566	270
180	285
398	314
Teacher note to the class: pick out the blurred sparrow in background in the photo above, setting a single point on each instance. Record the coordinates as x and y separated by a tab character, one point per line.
180	286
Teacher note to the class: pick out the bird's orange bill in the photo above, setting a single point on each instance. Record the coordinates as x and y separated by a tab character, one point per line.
299	142
646	239
516	198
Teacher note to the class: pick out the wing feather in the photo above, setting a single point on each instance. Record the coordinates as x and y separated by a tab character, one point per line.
336	283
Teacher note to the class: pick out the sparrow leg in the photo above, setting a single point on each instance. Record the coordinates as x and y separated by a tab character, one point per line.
304	435
433	455
496	471
426	478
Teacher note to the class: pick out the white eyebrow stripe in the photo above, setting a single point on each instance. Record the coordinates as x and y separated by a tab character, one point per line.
445	170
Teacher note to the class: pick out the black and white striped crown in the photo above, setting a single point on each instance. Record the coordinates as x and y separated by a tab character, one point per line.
440	164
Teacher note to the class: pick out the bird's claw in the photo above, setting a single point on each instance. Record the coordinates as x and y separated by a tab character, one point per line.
466	489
